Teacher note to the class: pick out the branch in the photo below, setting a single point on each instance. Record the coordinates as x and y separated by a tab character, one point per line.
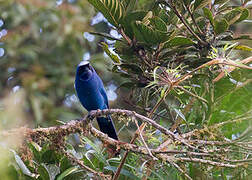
55	135
144	119
145	144
186	25
230	69
238	119
193	19
161	154
209	162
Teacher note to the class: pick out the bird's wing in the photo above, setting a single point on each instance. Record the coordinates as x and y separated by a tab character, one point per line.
104	95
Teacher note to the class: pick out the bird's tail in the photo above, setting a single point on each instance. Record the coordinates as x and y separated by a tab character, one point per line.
106	126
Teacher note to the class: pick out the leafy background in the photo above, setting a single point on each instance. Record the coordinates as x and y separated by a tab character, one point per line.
42	42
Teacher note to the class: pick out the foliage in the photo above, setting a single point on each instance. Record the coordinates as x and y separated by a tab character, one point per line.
167	59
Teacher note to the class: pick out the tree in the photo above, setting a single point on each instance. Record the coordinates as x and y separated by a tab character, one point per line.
184	70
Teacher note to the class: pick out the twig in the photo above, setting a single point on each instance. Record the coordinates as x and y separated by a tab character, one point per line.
193	19
189	153
141	136
204	161
194	95
212	143
181	170
186	110
116	176
186	25
230	69
144	119
238	160
191	133
129	41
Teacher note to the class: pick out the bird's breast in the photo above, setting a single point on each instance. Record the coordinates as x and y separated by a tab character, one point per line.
89	94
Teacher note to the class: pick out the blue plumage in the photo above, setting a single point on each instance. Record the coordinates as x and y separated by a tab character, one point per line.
92	95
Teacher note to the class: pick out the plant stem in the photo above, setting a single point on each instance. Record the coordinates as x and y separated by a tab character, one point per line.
186	25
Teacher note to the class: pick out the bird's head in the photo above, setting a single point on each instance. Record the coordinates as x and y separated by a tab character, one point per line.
84	71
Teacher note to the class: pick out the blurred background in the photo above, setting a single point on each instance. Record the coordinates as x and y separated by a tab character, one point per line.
41	44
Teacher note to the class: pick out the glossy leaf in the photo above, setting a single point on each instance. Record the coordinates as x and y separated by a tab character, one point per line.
233	16
158	23
220	26
128	20
208	14
22	165
220	1
114	57
201	3
130	5
243	48
113	10
44	173
178	41
244	15
123	172
187	2
149	34
131	68
67	172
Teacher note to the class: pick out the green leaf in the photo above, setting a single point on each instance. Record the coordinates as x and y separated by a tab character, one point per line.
244	15
180	114
220	1
35	148
233	16
123	172
43	172
67	172
187	2
233	98
169	17
178	41
98	152
112	10
131	68
201	3
243	48
149	34
64	164
129	19
158	23
49	156
114	57
220	26
130	5
208	14
22	165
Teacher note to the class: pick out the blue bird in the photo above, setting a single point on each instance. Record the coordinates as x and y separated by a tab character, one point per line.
92	95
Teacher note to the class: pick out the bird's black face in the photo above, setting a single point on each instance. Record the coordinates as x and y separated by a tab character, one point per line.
84	72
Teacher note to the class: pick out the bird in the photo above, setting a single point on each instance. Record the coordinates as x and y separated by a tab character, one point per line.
92	95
